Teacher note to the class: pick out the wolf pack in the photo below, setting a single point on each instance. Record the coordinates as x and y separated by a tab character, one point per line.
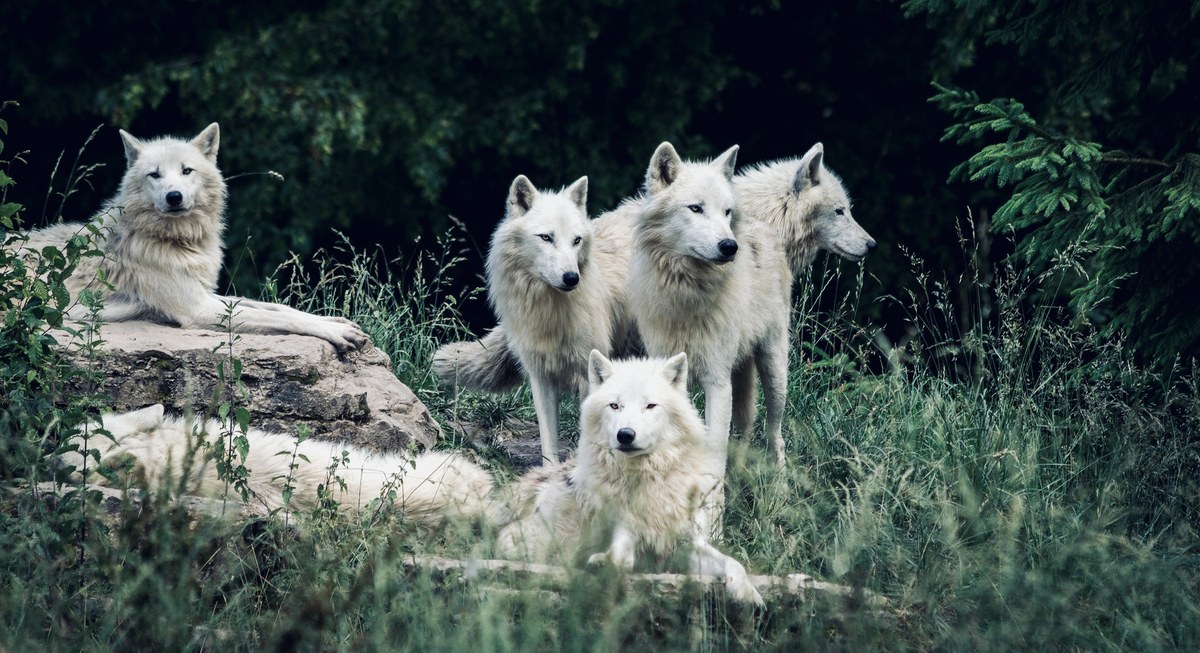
686	284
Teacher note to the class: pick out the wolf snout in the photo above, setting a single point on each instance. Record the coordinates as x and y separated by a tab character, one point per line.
570	279
174	199
870	244
728	248
626	436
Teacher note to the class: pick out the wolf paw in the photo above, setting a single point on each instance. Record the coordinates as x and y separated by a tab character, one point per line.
742	590
610	558
346	338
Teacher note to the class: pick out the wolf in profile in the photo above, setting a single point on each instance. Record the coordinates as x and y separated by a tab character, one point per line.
161	238
803	204
177	452
633	490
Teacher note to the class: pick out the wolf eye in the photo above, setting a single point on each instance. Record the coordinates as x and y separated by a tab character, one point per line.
613	405
728	211
187	170
840	211
154	175
650	406
695	208
578	239
546	237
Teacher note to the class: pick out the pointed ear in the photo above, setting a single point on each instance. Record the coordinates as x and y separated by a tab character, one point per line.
133	147
578	193
600	369
727	162
209	141
809	172
664	167
675	371
521	196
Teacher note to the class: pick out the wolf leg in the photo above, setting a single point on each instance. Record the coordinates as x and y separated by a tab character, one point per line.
745	405
706	560
772	360
545	402
621	553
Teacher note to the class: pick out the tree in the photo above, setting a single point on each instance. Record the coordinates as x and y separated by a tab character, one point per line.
1107	183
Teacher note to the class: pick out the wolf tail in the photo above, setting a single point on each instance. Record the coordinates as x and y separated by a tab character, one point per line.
487	365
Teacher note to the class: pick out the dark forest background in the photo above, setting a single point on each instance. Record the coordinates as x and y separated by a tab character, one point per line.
387	116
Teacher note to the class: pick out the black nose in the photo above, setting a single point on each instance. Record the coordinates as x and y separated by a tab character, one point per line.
870	243
570	279
174	198
728	247
626	436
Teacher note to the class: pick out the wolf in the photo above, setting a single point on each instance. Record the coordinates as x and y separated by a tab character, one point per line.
806	205
639	476
161	238
541	285
801	201
706	281
178	452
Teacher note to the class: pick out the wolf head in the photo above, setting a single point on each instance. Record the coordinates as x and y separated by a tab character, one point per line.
174	176
690	206
820	191
637	407
544	234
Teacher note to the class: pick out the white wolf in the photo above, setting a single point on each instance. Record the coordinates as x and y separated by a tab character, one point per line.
807	206
429	488
710	283
800	199
639	476
541	284
162	243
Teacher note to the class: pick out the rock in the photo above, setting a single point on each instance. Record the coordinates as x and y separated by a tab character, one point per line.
291	380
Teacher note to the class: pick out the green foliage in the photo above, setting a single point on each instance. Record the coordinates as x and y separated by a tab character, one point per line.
1099	173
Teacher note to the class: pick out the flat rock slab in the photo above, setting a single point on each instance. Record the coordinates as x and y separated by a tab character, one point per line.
291	381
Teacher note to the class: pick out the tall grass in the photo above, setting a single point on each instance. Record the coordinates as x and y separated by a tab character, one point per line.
1004	479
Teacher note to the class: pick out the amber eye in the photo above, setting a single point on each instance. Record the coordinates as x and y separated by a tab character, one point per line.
613	406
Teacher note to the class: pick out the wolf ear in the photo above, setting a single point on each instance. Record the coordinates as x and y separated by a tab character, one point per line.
727	162
578	193
675	371
809	172
664	167
521	196
133	147
600	369
208	142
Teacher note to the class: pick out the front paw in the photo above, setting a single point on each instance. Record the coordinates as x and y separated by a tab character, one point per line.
743	591
611	557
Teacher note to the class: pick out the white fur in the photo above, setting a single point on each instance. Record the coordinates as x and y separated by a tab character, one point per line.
161	236
545	243
634	489
798	199
428	487
807	206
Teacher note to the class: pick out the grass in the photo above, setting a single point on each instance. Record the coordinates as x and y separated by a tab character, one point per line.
1006	481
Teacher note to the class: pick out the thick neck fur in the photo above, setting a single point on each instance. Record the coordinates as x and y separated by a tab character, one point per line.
765	194
659	266
670	476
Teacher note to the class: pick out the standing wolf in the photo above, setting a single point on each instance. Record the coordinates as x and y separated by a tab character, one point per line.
555	288
161	237
710	283
639	476
800	199
429	488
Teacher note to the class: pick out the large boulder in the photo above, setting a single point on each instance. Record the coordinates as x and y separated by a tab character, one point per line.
291	381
